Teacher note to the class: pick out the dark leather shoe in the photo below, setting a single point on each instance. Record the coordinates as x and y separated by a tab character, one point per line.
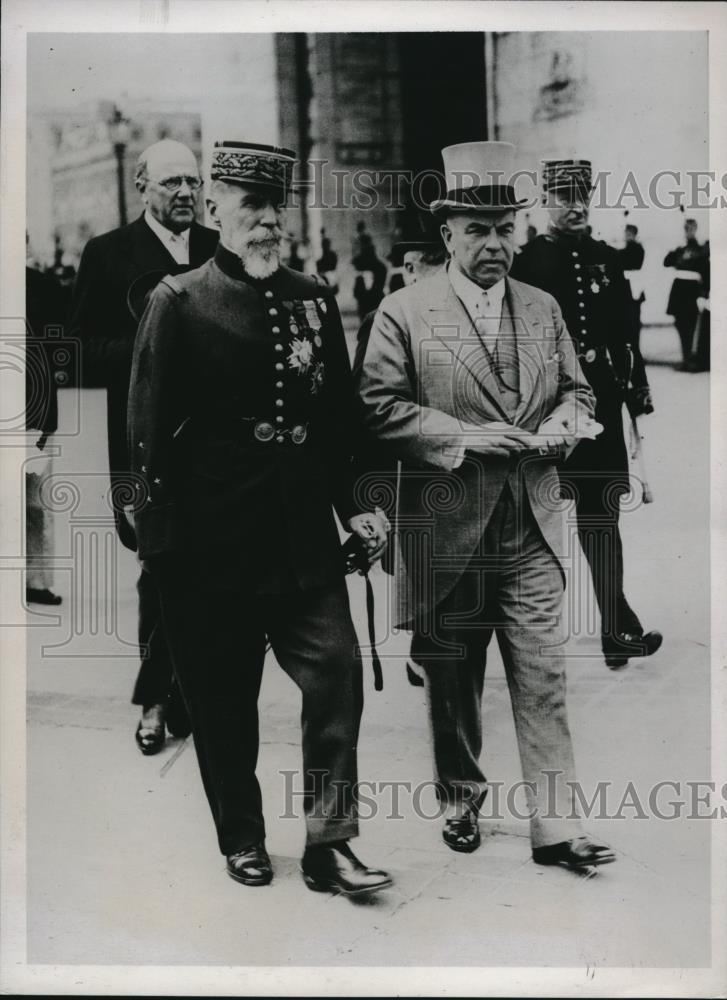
620	648
44	596
462	833
149	740
574	854
251	866
335	868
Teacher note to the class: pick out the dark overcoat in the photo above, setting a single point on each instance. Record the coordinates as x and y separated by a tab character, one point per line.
101	319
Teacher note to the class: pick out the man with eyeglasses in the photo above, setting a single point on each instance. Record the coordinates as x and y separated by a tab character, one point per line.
116	268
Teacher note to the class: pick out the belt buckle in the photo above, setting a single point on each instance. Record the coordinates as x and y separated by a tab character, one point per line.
298	433
264	431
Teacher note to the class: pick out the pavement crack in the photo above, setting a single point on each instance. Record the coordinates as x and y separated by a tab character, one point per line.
174	758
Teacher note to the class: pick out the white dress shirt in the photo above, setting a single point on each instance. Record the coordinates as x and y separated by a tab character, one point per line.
483	305
484	308
176	243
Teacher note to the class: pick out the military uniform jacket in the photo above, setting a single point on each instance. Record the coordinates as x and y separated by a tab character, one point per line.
586	279
240	423
692	256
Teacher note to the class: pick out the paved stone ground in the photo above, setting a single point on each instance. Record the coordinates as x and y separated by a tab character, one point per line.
122	862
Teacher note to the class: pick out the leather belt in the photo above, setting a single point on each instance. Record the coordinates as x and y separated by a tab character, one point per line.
264	431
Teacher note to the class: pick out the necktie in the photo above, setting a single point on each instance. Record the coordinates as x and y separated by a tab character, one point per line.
178	249
488	323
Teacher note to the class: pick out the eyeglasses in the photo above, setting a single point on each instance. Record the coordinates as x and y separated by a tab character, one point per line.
174	183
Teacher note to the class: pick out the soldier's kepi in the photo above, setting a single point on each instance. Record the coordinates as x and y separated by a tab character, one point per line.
585	277
241	425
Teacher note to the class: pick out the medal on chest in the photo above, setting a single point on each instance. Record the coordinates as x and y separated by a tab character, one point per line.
306	343
599	278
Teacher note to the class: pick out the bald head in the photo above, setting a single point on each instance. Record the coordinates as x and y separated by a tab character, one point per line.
167	177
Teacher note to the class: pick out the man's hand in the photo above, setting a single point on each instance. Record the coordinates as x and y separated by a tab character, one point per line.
639	401
372	529
496	438
557	433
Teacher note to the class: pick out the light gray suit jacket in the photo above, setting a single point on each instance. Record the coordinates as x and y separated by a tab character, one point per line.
424	376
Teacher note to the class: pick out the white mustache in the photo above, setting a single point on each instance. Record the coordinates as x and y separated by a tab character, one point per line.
264	237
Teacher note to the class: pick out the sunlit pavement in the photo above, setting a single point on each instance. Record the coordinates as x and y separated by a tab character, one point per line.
123	865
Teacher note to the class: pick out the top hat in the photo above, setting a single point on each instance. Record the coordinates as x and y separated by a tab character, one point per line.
252	164
567	177
478	176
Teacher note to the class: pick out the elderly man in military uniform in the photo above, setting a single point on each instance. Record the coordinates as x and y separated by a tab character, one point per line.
585	277
240	427
471	381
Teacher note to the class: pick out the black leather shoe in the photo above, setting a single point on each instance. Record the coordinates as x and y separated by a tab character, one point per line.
574	854
149	740
462	833
621	647
35	596
151	733
335	868
251	866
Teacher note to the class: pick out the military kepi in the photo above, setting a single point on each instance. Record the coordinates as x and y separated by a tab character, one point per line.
254	165
570	177
478	175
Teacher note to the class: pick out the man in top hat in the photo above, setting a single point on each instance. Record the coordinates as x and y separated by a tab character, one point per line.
165	239
471	380
586	279
241	415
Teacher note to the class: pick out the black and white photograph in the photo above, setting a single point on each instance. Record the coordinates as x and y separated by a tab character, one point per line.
363	499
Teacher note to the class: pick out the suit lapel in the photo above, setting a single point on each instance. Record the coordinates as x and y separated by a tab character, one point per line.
148	250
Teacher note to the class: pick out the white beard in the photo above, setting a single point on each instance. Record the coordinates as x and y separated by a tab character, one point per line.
261	265
260	262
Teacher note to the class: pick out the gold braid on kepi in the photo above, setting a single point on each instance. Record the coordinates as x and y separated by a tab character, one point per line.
253	164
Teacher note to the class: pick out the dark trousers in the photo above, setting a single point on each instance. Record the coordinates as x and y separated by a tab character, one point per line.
512	586
155	683
217	629
685	320
598	511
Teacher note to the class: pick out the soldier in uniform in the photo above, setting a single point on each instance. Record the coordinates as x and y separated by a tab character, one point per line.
689	261
587	281
241	414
